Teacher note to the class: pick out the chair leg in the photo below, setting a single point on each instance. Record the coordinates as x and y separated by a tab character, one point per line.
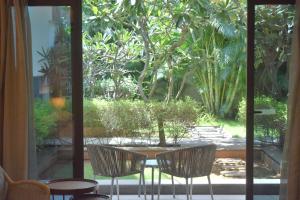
191	189
118	188
187	188
173	186
139	189
97	188
210	188
159	182
144	185
112	187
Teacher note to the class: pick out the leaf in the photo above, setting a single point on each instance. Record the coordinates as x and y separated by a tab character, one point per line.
95	10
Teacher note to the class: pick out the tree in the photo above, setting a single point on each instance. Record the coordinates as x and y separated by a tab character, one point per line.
274	25
195	41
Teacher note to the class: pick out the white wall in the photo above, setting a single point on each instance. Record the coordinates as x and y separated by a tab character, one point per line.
43	32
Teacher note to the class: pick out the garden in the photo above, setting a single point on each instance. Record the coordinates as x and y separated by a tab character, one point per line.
155	69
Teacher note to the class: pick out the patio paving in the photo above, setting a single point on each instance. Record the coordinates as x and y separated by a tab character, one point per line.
197	135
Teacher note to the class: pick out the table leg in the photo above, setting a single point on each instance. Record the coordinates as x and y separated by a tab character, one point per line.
152	193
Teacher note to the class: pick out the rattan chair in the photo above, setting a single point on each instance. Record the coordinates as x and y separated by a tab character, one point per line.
114	162
22	190
187	163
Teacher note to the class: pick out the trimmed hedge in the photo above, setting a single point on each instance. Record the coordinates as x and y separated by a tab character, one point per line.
121	118
124	118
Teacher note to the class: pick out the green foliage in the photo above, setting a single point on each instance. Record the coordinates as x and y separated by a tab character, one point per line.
276	123
45	120
276	23
271	126
176	130
115	118
241	116
131	47
124	118
220	47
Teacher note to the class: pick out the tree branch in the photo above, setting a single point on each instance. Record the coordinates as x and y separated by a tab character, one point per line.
145	37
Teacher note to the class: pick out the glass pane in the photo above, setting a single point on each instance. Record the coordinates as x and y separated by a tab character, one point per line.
162	75
51	58
273	34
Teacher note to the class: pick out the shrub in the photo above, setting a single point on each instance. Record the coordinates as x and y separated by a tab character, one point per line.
125	118
45	120
241	115
272	126
115	118
176	130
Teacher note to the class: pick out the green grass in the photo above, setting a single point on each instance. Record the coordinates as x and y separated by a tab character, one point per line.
233	127
88	173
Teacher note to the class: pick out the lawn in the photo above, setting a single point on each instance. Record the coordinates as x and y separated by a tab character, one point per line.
88	173
233	127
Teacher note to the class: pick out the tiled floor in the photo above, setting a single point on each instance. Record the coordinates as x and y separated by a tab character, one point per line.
183	197
195	197
170	197
199	197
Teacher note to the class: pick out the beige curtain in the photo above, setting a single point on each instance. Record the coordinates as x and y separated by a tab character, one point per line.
290	182
15	87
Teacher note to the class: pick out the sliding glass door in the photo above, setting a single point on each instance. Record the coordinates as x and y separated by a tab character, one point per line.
274	26
56	90
270	31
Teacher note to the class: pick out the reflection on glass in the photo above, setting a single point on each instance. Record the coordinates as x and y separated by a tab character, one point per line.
51	56
273	33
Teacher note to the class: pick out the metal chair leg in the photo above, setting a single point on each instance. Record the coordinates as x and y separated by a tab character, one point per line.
144	185
173	186
118	188
139	189
112	187
97	187
210	188
158	188
187	188
191	189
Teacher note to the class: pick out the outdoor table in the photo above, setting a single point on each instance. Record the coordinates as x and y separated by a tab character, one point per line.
152	163
71	187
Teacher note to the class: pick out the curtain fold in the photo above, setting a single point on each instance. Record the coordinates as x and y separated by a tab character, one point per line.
15	74
290	173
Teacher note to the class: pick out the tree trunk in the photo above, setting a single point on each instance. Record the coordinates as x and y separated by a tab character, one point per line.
161	131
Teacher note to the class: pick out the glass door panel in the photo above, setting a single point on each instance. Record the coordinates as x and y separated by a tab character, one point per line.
273	35
138	97
51	153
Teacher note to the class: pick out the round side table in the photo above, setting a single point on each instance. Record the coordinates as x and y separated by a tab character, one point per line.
72	187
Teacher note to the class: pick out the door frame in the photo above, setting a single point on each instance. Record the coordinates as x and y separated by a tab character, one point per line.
77	78
77	82
250	92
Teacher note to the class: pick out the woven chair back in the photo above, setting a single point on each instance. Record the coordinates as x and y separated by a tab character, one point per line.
188	162
114	162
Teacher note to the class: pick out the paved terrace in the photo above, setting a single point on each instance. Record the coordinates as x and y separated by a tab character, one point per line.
196	135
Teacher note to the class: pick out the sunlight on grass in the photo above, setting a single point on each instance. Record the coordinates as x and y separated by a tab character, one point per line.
233	127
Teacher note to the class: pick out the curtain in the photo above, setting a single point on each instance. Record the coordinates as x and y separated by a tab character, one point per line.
15	87
290	182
